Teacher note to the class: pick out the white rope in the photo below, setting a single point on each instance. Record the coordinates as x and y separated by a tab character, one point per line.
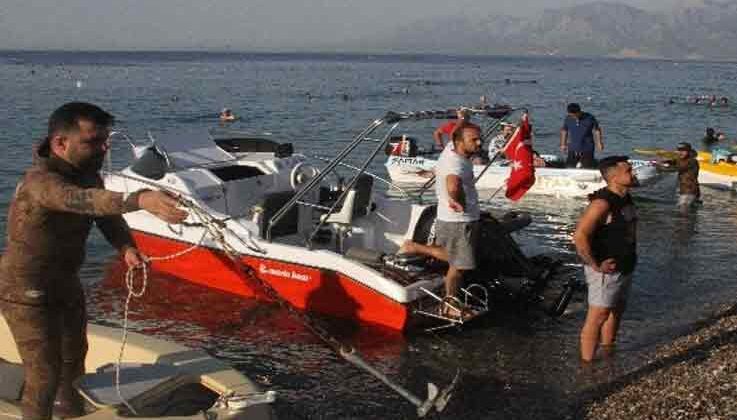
132	293
211	226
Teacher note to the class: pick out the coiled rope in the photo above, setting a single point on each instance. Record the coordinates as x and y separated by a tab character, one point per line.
130	276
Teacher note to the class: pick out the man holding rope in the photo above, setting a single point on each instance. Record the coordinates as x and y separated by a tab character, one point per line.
49	220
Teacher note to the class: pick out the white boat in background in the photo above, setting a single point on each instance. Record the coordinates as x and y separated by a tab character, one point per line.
415	171
158	379
263	219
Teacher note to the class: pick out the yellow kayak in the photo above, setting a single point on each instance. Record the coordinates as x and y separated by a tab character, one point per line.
721	174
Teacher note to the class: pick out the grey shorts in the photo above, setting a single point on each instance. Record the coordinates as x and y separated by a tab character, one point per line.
607	290
459	240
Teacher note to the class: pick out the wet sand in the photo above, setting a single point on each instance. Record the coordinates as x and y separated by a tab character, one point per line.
695	377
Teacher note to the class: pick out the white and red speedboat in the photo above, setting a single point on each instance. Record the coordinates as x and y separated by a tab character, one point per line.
328	248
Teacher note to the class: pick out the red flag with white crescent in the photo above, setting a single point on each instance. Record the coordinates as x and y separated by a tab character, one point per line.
519	151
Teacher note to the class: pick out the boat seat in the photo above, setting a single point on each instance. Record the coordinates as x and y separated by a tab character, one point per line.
269	205
357	202
136	379
11	381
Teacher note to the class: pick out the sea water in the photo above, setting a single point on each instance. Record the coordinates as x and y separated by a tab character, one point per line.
515	364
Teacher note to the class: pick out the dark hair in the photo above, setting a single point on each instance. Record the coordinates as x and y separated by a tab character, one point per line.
684	146
573	108
67	117
709	131
609	162
458	133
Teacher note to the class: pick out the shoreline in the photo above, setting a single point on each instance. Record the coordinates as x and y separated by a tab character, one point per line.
692	377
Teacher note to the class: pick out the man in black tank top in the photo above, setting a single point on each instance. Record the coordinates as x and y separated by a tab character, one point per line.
606	241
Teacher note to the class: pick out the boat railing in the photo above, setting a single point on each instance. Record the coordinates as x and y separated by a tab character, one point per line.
391	119
486	136
391	185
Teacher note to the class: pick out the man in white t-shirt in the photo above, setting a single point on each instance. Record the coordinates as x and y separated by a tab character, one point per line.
456	228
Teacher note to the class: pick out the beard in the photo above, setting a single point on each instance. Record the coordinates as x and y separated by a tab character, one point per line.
93	164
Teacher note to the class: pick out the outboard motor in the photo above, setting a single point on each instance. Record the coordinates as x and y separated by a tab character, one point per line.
402	146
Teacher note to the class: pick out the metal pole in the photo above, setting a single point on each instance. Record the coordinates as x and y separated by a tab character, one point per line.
314	181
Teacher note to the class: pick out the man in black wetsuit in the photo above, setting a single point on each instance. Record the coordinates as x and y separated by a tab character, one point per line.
606	241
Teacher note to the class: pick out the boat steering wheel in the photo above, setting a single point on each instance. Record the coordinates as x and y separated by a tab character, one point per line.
302	173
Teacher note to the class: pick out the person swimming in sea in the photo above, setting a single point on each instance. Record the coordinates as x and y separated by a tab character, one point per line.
226	115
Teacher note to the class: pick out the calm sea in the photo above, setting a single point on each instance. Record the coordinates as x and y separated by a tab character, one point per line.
515	365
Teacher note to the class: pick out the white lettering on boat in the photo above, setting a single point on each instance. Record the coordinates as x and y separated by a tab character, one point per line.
407	161
287	274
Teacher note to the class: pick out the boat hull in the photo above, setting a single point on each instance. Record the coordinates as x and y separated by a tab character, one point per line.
562	182
307	288
188	382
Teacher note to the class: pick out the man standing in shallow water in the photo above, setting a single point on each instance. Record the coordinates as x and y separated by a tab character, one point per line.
578	135
606	241
49	220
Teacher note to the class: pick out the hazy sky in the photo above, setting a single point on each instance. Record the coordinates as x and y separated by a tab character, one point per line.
232	24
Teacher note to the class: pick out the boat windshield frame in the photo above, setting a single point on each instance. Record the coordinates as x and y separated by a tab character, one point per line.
496	114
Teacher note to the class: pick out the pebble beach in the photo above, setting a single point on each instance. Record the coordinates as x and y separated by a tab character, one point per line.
691	378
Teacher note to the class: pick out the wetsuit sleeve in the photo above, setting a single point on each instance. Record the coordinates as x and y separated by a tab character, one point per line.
55	193
116	231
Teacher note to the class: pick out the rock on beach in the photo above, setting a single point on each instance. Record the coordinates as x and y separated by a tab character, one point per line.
695	377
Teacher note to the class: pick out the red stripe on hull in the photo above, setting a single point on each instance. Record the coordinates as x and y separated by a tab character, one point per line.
308	288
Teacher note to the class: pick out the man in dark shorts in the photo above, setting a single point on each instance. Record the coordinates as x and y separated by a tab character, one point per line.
606	241
50	216
579	133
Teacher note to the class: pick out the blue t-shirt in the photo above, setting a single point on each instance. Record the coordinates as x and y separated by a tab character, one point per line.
580	132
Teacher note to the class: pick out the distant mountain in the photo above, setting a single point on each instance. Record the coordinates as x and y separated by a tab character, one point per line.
698	29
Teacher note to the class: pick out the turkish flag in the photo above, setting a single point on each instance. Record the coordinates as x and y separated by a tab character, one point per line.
519	151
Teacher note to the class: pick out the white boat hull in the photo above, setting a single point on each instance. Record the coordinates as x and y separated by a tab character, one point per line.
560	182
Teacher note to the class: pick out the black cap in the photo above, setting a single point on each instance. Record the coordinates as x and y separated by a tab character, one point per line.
684	146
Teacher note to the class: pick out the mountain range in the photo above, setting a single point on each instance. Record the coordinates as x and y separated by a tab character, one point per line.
703	29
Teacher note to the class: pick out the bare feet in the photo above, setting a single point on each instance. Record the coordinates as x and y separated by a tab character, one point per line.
451	307
408	247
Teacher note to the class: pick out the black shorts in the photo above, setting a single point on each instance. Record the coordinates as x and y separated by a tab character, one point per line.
585	158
